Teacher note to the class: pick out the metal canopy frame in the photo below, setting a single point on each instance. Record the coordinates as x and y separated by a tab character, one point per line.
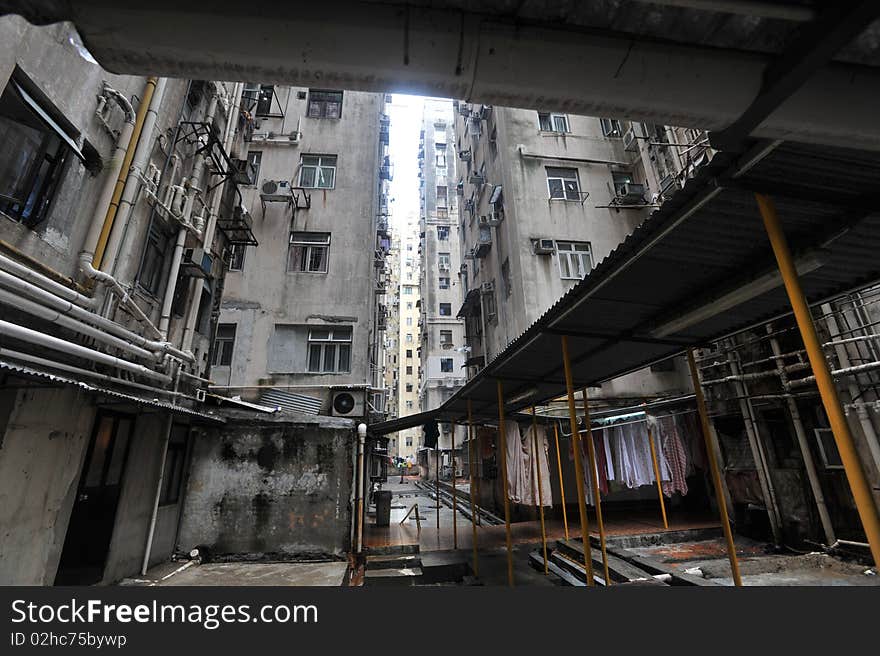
706	241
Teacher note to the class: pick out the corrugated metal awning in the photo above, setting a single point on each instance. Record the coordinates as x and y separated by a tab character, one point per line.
698	269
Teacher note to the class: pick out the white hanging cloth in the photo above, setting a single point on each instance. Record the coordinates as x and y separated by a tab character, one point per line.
516	476
530	493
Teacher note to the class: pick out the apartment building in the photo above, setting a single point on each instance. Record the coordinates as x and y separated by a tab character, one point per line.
544	197
391	345
303	316
442	344
408	359
112	242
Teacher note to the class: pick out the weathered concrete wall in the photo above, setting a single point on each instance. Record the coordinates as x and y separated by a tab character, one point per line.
136	504
281	485
41	455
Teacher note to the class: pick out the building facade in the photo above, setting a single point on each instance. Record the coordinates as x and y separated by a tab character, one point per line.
442	352
303	316
408	363
112	245
543	198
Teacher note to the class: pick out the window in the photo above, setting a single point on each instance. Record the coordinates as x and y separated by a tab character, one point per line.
444	261
575	259
446	309
34	150
444	282
442	233
563	183
254	159
409	370
172	477
154	259
409	338
409	305
446	337
610	127
440	155
236	256
330	350
325	104
441	195
553	122
308	252
409	321
409	353
505	277
446	365
489	305
409	387
409	406
224	344
317	171
620	178
407	290
409	437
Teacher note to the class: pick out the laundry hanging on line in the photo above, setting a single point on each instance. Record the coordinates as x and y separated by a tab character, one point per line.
521	456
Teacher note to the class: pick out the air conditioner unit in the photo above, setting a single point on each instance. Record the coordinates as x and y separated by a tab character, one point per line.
450	382
669	184
443	267
544	247
476	179
275	190
347	403
495	219
630	142
631	192
483	221
487	287
465	155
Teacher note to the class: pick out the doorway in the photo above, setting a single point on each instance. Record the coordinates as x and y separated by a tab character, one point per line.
90	530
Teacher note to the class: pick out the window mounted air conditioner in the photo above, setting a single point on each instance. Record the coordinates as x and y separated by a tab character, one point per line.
544	247
631	192
275	190
494	219
476	179
465	155
630	142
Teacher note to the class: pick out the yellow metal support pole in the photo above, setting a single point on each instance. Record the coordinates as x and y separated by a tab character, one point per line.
540	497
561	483
502	448
578	464
110	216
437	484
713	468
454	494
657	477
861	490
472	450
594	482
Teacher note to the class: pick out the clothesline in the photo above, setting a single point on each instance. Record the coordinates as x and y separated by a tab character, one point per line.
626	423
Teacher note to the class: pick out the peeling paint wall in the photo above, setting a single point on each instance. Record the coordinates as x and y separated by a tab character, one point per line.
278	486
41	453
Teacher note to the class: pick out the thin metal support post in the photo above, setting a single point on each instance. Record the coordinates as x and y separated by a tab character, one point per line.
502	448
858	483
454	493
473	466
437	483
594	482
540	498
578	464
561	482
657	476
713	468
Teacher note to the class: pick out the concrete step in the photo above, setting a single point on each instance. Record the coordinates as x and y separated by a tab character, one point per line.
619	570
393	561
393	577
445	566
536	559
392	550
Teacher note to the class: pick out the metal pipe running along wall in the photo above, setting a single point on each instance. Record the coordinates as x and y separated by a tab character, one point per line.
454	52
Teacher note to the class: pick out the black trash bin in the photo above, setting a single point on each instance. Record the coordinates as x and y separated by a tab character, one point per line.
383	508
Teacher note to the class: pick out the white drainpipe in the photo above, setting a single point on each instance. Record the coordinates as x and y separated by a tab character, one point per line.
47	341
54	316
43	282
133	181
66	307
111	169
196	179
